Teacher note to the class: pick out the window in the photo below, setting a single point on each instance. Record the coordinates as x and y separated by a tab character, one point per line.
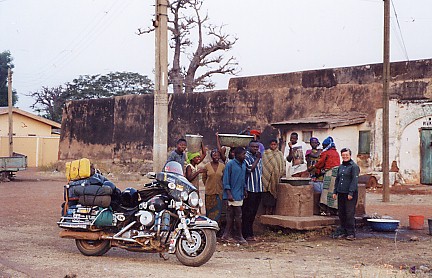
306	135
364	142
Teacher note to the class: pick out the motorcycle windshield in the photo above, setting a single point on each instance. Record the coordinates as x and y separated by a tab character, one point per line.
173	167
172	177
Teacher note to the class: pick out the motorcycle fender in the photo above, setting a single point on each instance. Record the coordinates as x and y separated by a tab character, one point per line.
203	222
199	222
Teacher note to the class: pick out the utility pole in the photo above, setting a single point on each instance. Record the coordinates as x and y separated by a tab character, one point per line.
10	112
160	131
385	100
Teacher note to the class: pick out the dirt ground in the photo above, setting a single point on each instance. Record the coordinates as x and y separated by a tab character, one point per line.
30	245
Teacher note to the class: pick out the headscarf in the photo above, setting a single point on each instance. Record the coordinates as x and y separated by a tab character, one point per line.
255	132
314	139
329	142
191	156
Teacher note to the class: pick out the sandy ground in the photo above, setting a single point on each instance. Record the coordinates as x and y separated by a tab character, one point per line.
30	245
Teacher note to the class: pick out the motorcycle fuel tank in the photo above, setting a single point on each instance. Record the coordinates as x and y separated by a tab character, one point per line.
157	203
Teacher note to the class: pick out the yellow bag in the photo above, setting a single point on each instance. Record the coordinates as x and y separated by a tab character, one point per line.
78	169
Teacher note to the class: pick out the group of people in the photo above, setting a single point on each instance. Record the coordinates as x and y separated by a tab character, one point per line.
249	176
242	179
337	182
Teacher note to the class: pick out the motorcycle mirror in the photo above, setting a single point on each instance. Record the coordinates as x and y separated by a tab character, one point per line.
151	175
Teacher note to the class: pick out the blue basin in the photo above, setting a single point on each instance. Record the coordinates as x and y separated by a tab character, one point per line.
383	225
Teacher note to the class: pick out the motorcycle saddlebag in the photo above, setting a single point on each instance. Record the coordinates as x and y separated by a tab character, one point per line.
104	218
94	195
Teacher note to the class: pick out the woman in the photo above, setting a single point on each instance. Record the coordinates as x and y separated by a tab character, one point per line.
192	171
327	166
312	157
212	179
346	193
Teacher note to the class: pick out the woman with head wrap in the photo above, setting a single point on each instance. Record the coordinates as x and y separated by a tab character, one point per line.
312	157
327	165
192	171
212	179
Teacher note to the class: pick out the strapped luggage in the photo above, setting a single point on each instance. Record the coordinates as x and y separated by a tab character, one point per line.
94	195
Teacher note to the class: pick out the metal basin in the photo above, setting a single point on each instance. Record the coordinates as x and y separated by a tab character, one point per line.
296	181
383	225
235	140
193	142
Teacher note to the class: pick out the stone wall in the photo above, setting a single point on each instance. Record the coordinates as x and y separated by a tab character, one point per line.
121	128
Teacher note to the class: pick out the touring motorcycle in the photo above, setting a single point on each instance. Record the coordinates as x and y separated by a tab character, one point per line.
161	217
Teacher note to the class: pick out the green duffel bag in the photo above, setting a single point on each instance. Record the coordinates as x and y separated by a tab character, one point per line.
104	218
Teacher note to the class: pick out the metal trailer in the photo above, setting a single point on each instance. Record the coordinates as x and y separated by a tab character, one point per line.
10	165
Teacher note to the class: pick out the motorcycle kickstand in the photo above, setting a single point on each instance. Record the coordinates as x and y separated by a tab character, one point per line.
163	256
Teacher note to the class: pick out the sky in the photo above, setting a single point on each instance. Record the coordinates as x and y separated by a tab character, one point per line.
54	41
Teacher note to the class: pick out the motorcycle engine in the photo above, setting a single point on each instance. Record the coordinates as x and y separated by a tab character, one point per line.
146	218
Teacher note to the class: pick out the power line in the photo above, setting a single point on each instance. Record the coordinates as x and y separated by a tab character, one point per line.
400	32
79	44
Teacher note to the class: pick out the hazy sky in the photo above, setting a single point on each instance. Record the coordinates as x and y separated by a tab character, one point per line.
54	41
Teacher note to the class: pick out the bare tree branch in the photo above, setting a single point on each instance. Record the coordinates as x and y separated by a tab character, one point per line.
190	27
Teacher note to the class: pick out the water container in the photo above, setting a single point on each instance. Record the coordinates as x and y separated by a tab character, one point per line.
416	222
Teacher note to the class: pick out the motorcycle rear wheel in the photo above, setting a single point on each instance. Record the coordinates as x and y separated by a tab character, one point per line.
93	247
198	252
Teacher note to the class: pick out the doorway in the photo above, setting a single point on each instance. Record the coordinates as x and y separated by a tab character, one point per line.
426	155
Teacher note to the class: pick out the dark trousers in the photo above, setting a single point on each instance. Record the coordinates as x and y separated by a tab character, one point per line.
249	209
346	212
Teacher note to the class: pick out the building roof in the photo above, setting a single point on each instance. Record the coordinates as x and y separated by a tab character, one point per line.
323	121
5	110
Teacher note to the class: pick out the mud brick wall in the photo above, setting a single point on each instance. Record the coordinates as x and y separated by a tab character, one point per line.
121	128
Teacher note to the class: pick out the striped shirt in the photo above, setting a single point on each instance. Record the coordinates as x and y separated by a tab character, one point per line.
253	177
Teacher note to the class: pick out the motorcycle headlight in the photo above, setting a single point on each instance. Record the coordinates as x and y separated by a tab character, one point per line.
193	199
184	196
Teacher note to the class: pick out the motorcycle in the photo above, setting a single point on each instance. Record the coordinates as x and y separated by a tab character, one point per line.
161	217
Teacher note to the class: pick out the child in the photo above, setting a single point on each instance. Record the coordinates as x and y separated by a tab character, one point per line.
234	183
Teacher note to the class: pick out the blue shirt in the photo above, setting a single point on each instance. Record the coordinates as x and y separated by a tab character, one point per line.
174	156
253	177
234	178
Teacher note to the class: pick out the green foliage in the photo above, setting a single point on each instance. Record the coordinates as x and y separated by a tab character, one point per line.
5	63
49	102
112	84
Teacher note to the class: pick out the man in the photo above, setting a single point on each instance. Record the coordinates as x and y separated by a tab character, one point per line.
273	170
295	154
234	185
179	154
254	189
257	136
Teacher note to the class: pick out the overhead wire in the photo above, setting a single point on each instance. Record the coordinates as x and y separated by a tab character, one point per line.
404	49
75	43
77	46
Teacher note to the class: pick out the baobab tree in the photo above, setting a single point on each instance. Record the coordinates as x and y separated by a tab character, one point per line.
203	44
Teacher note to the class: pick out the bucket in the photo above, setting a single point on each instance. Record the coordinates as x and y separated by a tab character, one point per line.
193	142
416	222
430	226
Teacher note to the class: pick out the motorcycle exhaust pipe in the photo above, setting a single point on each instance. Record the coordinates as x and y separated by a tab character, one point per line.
81	235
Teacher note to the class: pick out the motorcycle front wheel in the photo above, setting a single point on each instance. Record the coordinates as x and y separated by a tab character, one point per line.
93	247
199	251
